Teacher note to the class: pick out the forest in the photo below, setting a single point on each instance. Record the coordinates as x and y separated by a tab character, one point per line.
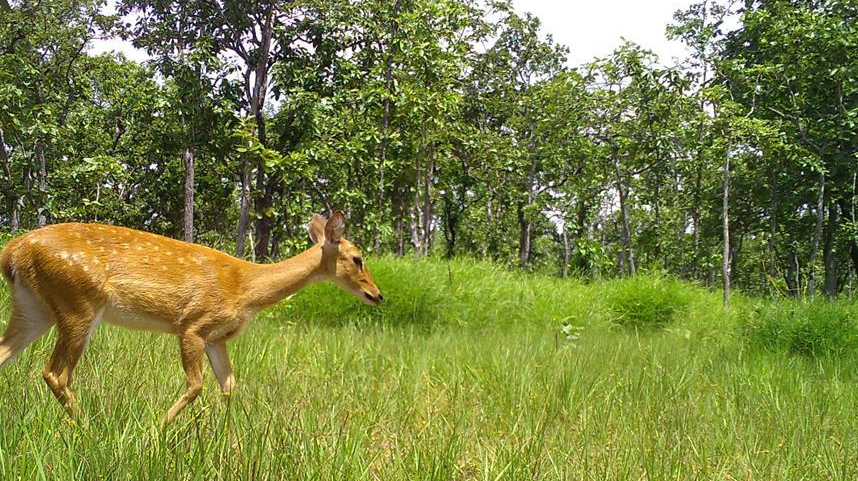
446	129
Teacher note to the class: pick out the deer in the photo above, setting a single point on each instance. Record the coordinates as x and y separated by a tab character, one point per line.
76	275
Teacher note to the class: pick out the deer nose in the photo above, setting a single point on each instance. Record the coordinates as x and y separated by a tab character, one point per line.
380	297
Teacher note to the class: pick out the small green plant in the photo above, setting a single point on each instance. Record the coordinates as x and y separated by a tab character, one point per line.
647	301
808	328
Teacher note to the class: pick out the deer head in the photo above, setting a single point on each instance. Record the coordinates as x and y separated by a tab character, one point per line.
342	263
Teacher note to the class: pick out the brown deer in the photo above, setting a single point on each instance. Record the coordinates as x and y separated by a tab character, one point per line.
76	275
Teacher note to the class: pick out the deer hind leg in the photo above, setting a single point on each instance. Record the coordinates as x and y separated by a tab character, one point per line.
29	319
192	347
219	360
74	333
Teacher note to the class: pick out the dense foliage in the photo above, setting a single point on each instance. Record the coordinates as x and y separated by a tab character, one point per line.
447	128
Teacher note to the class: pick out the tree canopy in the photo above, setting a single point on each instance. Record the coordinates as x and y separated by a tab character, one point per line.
446	128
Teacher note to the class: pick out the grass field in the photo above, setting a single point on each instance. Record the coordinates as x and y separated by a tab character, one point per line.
466	372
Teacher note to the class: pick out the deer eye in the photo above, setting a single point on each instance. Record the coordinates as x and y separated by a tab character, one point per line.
358	262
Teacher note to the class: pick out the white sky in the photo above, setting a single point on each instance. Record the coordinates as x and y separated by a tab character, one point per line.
594	28
589	28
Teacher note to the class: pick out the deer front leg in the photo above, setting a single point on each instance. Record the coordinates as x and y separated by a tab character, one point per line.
219	360
192	347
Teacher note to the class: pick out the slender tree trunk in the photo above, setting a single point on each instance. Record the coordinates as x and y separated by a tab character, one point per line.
725	261
735	250
565	238
399	211
415	230
188	160
427	200
416	210
695	224
853	245
264	223
847	211
14	216
773	229
523	236
392	50
817	235
829	254
797	273
628	254
581	231
276	237
658	250
789	276
243	215
264	182
43	184
489	250
698	177
379	199
10	192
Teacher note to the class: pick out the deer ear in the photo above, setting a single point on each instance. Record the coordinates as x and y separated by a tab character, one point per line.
316	228
335	227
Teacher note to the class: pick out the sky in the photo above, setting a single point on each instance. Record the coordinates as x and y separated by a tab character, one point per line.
589	28
594	28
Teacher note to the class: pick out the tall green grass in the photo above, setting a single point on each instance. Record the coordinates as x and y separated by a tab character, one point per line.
809	328
464	373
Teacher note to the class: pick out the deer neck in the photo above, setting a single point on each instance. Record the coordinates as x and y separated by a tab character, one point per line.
269	284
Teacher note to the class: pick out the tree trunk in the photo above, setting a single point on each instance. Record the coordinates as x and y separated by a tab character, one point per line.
847	211
399	211
392	50
657	254
9	192
735	250
695	224
243	214
817	235
565	238
773	229
829	254
725	260
582	231
264	220
488	246
625	232
188	159
523	236
43	184
265	199
379	199
14	216
416	210
796	273
451	220
276	237
427	200
414	222
788	274
701	159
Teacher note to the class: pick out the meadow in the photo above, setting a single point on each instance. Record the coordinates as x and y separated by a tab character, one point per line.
466	372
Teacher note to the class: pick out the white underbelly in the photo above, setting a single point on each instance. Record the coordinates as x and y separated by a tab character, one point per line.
134	320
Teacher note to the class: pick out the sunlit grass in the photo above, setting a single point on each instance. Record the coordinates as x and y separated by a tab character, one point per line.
463	373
